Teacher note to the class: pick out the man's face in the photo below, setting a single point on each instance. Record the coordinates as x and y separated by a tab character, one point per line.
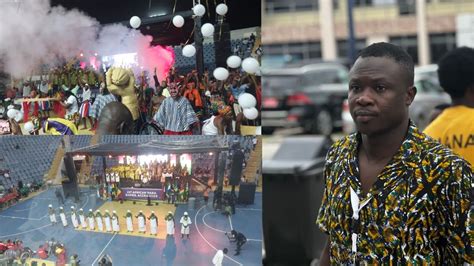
379	95
173	90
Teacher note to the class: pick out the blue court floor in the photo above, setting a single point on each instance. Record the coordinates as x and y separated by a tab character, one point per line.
29	222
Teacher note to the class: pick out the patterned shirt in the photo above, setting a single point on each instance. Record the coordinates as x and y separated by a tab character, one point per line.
418	210
100	102
176	115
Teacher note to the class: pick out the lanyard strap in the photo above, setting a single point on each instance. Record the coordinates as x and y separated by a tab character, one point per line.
356	207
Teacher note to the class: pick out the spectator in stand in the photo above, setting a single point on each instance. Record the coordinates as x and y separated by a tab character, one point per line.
176	115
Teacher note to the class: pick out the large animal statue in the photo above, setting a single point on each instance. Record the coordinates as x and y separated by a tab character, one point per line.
121	81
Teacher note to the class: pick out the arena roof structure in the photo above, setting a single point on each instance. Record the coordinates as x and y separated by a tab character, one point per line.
172	145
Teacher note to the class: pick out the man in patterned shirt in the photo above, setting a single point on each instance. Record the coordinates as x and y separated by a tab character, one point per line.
176	115
393	195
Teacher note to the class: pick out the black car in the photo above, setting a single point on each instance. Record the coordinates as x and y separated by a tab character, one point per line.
309	97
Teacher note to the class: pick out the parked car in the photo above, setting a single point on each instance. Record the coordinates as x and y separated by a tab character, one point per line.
309	97
430	71
429	95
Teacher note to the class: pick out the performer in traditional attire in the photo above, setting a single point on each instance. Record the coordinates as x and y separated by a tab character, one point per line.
108	225
62	216
74	217
141	222
153	223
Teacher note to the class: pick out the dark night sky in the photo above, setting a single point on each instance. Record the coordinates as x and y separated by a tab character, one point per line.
241	14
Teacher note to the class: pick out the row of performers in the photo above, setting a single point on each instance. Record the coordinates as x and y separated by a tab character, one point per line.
110	222
176	190
144	173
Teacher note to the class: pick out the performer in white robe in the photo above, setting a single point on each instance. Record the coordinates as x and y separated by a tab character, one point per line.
185	223
52	215
62	216
108	226
115	222
82	219
141	222
169	223
153	223
98	218
90	219
129	218
74	217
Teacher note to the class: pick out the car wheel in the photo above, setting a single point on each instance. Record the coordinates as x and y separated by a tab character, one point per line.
323	123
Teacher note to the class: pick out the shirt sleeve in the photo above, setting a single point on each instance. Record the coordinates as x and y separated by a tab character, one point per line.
191	117
457	209
324	218
160	115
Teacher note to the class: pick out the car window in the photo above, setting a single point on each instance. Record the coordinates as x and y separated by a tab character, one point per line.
428	86
280	85
324	76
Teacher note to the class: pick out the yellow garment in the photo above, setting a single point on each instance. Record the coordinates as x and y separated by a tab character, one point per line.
121	81
454	128
68	123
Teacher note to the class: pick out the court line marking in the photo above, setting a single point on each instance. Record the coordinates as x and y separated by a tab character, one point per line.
24	232
29	208
215	229
110	241
220	231
22	218
205	240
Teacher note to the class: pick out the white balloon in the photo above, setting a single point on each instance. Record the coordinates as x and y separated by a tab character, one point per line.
233	61
10	106
221	9
29	127
221	73
251	113
246	100
250	65
189	50
199	10
19	116
12	113
207	30
135	22
178	21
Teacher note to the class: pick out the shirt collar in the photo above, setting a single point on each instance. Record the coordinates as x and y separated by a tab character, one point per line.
407	154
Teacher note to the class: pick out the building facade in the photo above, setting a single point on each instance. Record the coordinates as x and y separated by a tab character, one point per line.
318	29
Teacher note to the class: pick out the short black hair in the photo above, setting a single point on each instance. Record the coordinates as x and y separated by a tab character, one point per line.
225	250
456	71
388	50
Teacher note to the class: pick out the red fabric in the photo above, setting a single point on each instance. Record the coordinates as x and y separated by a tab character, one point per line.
61	261
26	110
36	109
42	254
259	97
169	132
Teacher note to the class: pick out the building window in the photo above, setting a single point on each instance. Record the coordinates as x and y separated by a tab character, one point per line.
282	6
440	44
409	43
406	7
362	3
343	47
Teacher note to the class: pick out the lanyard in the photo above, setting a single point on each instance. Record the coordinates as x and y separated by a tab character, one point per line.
356	207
